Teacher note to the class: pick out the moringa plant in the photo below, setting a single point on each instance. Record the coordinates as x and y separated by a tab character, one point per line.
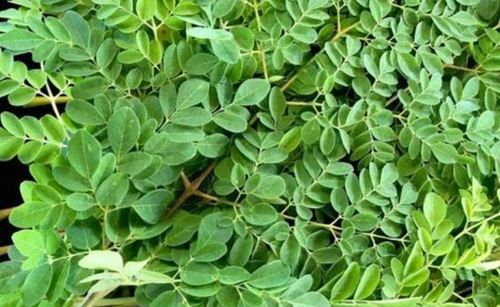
253	152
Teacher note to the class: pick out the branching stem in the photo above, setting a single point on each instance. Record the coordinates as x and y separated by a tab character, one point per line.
190	188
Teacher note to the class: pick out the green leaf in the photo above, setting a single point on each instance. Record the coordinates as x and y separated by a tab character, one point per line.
304	34
231	275
268	187
29	243
443	246
416	278
80	201
113	190
191	93
207	33
29	214
277	103
434	209
194	117
151	206
227	50
259	214
36	284
230	121
213	146
270	275
199	274
70	179
102	260
251	92
347	283
432	62
78	28
84	234
84	153
19	40
123	130
445	153
408	65
22	96
311	299
89	88
84	113
365	221
201	63
361	85
368	283
145	9
209	251
291	140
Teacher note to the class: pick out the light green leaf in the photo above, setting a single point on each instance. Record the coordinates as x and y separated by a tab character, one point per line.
434	209
347	283
368	283
84	153
123	130
230	121
29	243
19	40
145	9
199	274
151	206
194	117
102	260
192	92
251	92
270	275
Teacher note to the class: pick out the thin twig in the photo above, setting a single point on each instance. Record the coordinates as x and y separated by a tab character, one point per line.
467	69
125	301
4	213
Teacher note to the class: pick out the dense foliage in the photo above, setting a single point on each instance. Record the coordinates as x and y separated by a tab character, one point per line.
253	152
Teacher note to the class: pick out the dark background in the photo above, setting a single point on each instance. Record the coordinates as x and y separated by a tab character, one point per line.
12	173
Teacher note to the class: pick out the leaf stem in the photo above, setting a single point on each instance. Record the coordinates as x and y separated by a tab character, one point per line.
124	301
302	103
467	69
466	230
42	101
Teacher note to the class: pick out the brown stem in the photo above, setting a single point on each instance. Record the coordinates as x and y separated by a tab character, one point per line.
215	199
4	213
4	250
190	188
